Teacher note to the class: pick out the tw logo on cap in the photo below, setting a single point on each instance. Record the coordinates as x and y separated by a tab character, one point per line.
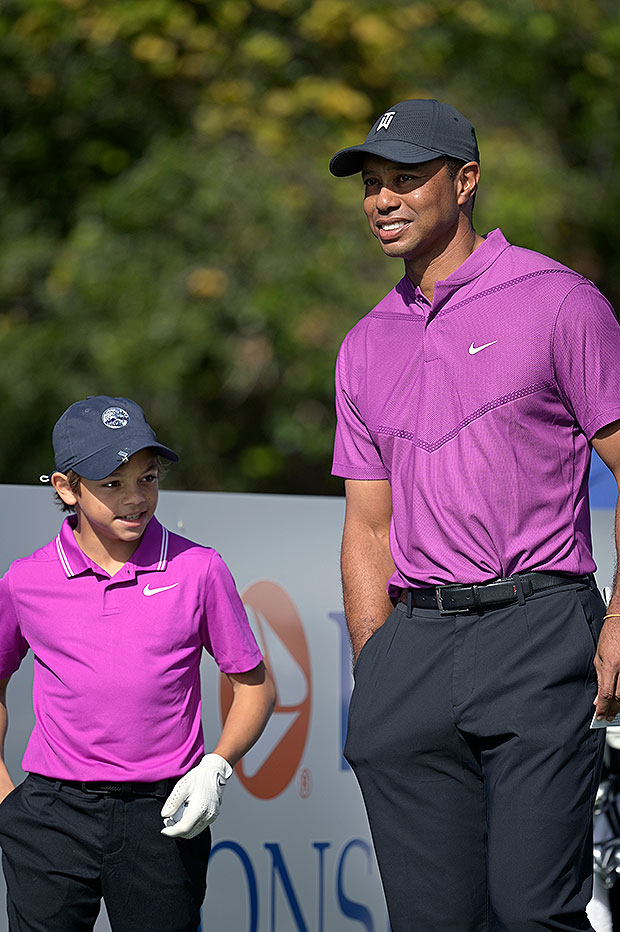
385	120
114	418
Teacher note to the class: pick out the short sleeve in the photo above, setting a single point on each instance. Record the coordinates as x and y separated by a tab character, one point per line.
225	629
586	358
13	646
355	454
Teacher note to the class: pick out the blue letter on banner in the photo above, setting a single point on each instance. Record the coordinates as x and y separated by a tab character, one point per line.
249	872
349	908
279	867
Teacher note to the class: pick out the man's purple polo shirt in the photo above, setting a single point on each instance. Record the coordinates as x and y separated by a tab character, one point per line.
479	409
117	685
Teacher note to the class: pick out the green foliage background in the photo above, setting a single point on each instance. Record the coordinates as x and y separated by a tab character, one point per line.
169	229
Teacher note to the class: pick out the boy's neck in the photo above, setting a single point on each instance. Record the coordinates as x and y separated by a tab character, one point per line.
110	555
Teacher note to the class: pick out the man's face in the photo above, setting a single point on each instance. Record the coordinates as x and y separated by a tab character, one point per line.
413	210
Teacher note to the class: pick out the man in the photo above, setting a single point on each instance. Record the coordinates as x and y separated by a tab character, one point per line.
468	401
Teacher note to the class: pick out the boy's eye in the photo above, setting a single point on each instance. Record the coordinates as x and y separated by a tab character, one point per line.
152	477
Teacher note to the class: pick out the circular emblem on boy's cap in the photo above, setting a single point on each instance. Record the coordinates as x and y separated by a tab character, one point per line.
115	418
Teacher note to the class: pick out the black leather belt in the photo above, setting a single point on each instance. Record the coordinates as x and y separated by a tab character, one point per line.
457	598
161	788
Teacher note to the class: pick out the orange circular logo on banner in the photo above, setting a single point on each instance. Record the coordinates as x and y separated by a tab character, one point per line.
268	768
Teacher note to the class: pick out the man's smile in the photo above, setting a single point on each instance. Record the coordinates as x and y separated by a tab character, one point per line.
390	229
391	224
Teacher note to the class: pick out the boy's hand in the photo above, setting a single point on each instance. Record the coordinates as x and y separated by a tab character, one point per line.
196	798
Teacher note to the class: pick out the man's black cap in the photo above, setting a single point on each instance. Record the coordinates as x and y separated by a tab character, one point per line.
410	132
96	436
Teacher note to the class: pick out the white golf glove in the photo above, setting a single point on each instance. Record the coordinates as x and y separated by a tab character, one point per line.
196	798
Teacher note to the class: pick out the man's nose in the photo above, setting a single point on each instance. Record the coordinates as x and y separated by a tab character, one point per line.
387	199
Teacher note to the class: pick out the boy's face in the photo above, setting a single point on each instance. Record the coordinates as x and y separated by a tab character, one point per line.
120	506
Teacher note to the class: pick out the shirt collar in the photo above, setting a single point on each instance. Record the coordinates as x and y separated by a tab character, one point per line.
151	553
475	264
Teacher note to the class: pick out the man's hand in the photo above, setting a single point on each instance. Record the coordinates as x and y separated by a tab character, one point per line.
196	798
607	663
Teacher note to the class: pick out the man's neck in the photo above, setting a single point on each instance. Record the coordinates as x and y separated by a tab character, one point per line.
426	272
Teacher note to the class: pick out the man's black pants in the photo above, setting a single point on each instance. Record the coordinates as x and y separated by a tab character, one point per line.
64	849
469	735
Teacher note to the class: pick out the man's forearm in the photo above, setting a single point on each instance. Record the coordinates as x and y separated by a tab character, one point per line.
6	783
366	565
607	660
614	605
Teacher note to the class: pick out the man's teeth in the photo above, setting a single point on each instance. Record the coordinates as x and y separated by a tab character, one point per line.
393	226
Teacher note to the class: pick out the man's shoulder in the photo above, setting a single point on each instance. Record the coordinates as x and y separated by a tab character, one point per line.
397	304
523	263
524	278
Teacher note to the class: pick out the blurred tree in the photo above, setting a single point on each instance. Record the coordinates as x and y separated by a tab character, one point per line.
170	231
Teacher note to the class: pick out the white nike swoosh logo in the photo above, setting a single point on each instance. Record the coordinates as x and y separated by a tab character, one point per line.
148	591
476	349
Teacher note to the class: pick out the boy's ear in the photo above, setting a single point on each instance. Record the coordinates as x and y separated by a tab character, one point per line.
63	488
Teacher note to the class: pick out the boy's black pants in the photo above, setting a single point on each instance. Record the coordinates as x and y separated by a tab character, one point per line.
469	735
64	849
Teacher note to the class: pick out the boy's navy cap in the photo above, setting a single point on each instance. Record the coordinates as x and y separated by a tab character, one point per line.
96	436
410	132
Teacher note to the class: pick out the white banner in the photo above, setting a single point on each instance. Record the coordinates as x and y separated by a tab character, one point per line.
291	848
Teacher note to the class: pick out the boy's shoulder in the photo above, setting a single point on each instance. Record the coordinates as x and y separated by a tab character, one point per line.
175	547
33	564
45	554
179	546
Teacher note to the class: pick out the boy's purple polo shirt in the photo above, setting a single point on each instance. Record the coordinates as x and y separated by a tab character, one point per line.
479	409
117	684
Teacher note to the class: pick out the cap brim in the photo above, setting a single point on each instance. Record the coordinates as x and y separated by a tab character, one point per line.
105	462
350	161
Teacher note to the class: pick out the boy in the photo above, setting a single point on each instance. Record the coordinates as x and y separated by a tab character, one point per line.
116	611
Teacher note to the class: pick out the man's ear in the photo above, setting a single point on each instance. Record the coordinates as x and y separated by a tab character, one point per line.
62	487
467	182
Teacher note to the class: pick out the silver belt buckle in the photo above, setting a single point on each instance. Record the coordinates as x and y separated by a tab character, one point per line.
441	607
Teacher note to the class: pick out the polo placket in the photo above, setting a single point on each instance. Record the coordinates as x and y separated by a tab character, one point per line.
112	586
